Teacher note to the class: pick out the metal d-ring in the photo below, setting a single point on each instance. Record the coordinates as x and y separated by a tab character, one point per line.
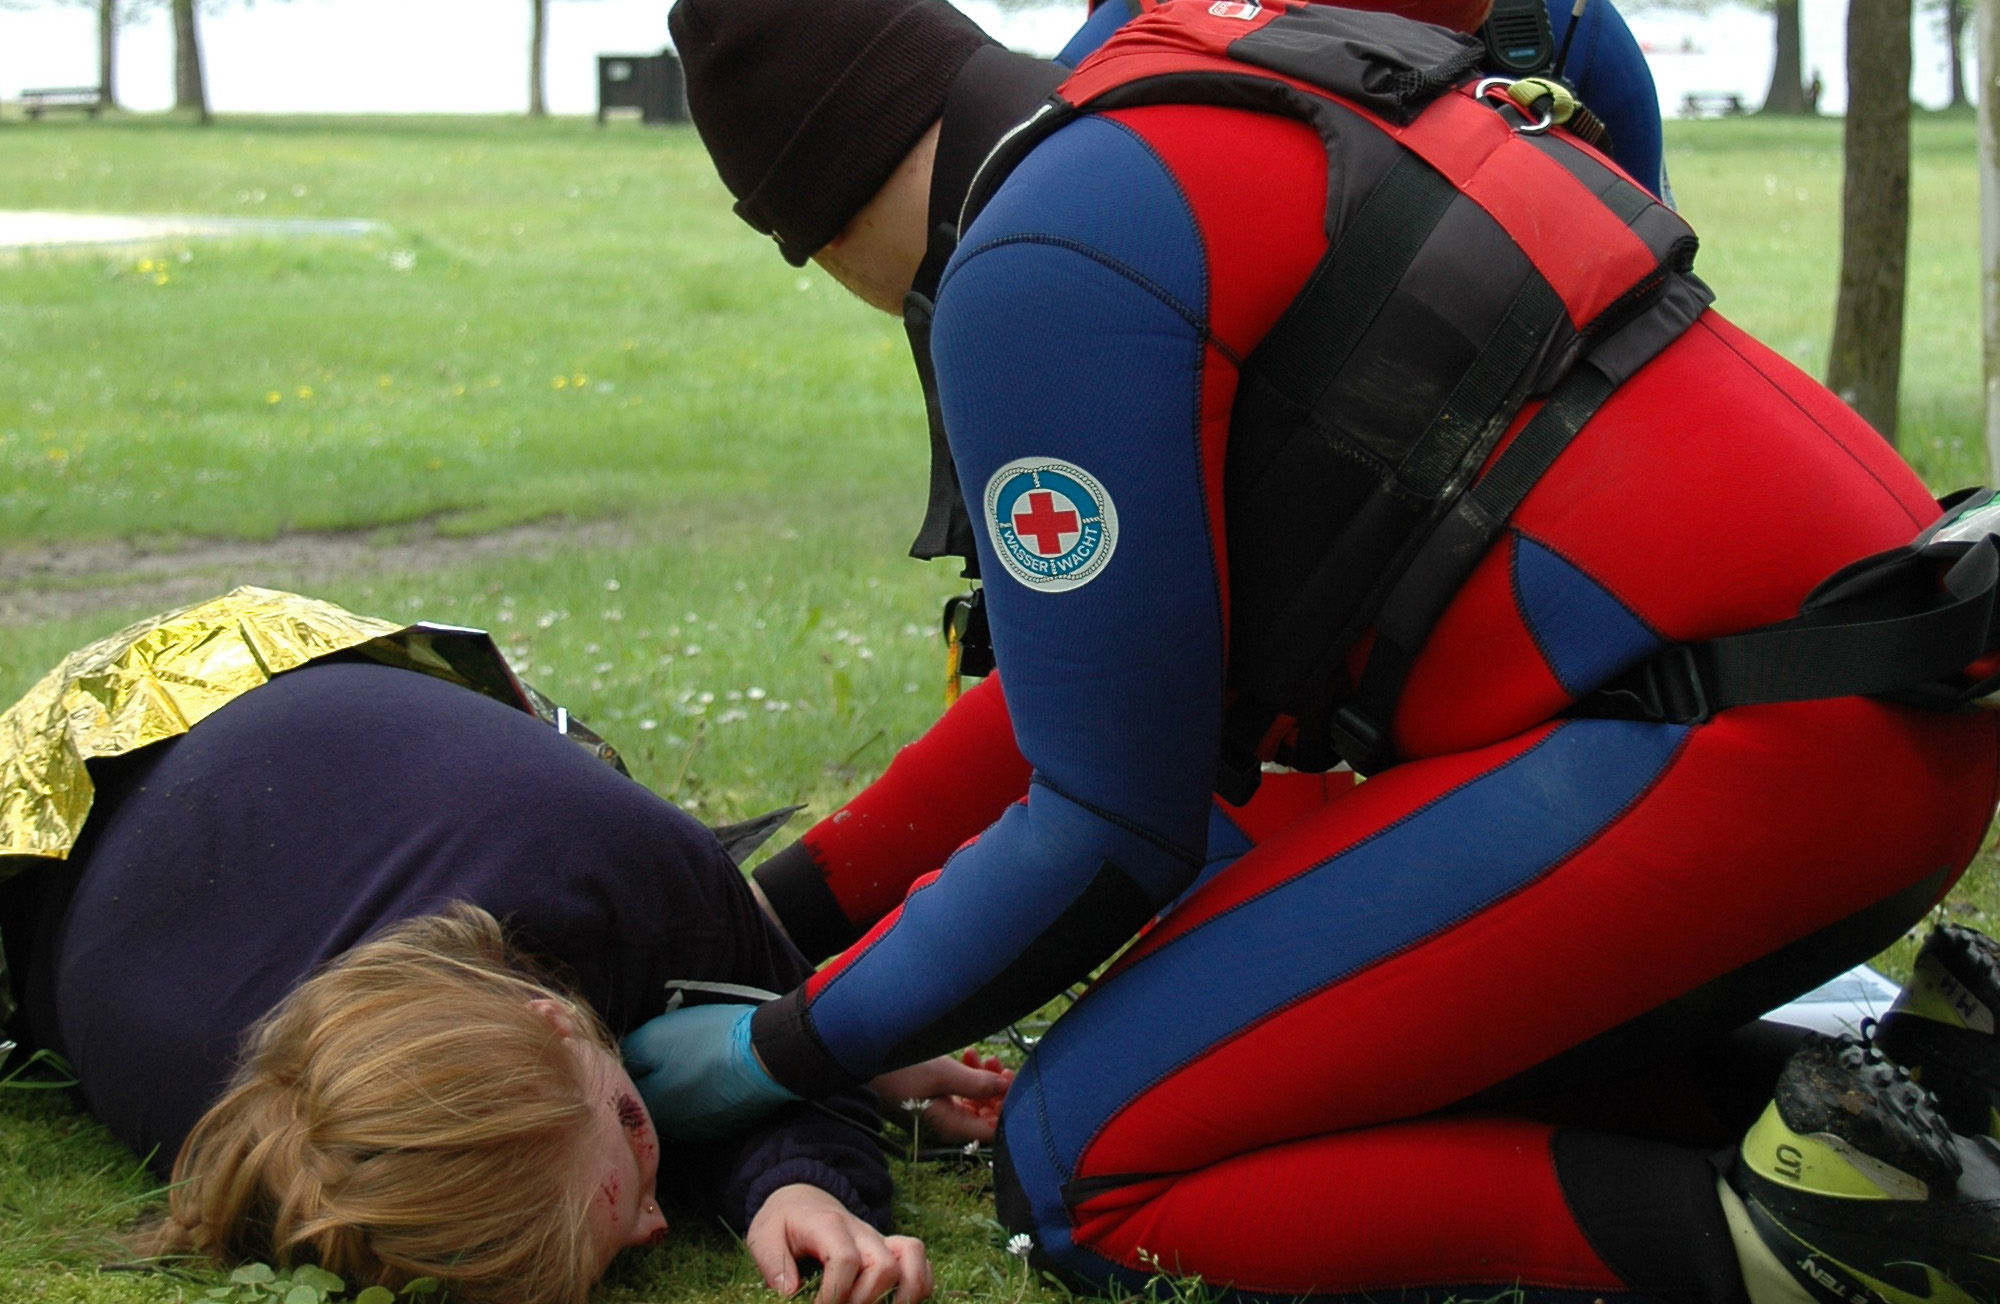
1548	117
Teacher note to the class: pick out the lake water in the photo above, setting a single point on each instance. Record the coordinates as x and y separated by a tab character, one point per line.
471	56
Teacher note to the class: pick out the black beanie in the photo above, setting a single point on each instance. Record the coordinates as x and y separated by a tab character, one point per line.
808	106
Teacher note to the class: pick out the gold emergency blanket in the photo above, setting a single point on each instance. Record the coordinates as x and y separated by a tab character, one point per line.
163	675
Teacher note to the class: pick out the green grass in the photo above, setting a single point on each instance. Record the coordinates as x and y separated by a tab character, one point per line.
756	636
557	319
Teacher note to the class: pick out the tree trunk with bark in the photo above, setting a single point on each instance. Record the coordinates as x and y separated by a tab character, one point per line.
538	49
107	54
190	88
1788	89
1988	36
1956	12
1867	357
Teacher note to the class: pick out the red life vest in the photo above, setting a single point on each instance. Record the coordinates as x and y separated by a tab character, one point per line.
1363	416
1361	485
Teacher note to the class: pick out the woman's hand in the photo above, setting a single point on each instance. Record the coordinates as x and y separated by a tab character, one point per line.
963	1095
857	1264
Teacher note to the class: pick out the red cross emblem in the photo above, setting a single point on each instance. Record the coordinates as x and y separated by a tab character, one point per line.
1053	528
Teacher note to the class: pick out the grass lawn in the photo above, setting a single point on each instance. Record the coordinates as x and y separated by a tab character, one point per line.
697	466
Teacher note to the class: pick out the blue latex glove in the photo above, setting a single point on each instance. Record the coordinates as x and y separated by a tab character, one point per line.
696	1071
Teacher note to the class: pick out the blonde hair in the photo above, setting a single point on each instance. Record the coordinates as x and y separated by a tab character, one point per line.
404	1113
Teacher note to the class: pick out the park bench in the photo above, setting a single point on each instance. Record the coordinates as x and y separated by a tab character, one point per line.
37	102
1712	104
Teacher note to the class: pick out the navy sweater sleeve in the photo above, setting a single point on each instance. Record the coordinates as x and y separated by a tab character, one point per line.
1070	342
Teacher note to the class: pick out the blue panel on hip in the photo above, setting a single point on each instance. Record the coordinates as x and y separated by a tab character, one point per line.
1585	634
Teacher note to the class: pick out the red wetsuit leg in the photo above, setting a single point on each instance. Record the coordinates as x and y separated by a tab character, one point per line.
1252	1092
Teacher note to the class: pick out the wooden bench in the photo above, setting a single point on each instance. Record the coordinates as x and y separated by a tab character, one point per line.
37	102
1712	104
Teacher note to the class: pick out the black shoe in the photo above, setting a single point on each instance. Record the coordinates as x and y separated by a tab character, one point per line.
1942	1027
1862	1191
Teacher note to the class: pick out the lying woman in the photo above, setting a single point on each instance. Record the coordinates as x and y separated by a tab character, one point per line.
275	958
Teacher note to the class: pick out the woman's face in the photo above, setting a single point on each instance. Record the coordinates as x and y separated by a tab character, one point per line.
621	1159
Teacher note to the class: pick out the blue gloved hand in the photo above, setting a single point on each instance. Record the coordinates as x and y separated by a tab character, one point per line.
697	1073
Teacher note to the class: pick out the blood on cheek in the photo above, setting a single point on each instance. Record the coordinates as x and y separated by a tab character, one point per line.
609	1193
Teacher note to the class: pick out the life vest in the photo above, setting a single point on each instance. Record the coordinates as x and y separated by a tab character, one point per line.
1355	499
1363	415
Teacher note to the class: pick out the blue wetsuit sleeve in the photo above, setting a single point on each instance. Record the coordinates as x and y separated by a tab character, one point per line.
1070	342
1108	17
1609	71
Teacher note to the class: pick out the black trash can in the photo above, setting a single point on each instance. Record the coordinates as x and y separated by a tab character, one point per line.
651	83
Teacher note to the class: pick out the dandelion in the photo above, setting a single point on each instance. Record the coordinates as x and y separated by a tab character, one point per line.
559	382
273	396
579	380
1019	1244
383	382
305	392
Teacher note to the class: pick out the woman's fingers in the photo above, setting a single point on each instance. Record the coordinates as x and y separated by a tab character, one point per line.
881	1271
771	1252
857	1264
914	1283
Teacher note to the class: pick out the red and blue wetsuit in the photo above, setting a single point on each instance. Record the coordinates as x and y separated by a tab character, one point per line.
1373	1041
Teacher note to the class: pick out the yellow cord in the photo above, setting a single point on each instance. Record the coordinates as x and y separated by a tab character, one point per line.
951	659
1530	91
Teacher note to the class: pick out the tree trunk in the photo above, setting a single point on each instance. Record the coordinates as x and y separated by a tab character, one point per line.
538	48
1867	358
107	54
1988	35
1788	90
190	88
1955	14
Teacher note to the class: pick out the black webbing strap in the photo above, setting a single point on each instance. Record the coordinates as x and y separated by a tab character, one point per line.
1309	345
1361	726
1491	386
1917	635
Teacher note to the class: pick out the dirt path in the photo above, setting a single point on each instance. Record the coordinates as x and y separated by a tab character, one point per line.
78	579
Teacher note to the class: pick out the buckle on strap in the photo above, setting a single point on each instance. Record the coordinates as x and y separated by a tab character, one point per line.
1362	743
1666	688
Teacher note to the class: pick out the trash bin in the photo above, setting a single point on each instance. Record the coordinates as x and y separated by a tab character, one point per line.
651	83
